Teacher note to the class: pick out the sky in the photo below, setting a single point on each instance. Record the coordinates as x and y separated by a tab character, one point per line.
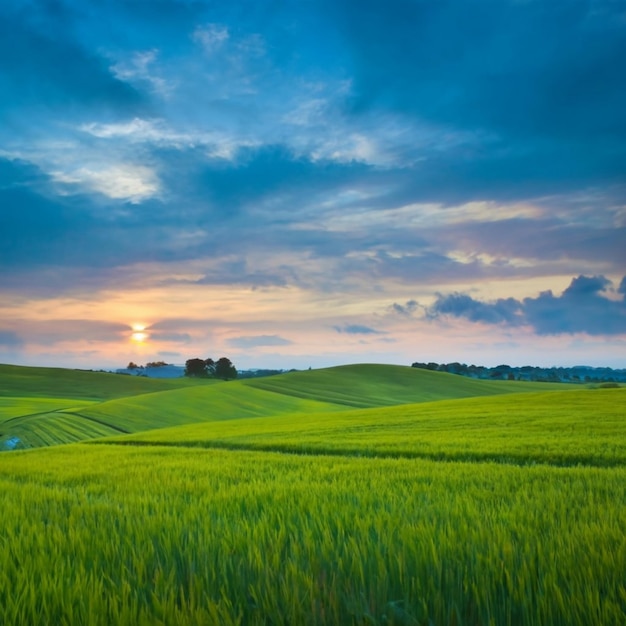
298	184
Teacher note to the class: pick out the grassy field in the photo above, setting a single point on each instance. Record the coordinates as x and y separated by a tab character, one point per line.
314	499
369	385
586	426
53	406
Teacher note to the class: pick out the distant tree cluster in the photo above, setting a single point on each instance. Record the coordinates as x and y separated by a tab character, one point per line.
576	374
260	373
208	368
134	366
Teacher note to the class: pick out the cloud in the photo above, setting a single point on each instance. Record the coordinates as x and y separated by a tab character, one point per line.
139	69
126	181
584	287
548	116
258	341
505	311
357	329
406	310
10	340
45	64
583	307
211	36
169	337
57	331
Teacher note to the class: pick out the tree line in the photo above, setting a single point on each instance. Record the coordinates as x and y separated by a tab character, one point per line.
208	368
574	374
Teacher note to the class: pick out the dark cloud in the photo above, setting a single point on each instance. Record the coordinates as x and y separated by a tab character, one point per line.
540	83
10	340
357	329
258	341
44	64
582	308
268	174
507	311
472	64
584	287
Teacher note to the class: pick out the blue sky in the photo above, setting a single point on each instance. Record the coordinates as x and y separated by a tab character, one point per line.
297	184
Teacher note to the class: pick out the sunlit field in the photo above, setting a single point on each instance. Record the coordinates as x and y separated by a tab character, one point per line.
261	507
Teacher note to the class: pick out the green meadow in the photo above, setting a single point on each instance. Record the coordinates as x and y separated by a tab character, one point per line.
365	495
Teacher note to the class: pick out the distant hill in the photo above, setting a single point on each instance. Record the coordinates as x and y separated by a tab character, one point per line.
54	382
47	406
368	385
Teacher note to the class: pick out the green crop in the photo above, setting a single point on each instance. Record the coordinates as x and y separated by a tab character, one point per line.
564	428
272	504
123	535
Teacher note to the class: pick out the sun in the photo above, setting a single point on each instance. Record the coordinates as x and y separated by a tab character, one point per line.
139	334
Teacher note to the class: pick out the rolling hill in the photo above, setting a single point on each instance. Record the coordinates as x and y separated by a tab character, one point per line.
43	406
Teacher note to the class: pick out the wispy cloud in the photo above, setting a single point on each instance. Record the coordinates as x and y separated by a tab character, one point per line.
259	341
211	36
134	183
358	329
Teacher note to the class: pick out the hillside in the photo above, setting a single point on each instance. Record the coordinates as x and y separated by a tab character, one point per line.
583	426
79	405
368	385
53	382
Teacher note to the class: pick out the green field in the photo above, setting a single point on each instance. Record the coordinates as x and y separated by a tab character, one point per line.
365	495
76	405
559	428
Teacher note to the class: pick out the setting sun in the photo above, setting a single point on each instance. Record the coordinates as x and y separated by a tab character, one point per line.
139	334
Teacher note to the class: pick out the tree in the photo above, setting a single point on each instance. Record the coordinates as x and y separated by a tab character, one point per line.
196	368
225	369
210	366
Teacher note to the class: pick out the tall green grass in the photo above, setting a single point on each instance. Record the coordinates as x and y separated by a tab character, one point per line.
105	535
